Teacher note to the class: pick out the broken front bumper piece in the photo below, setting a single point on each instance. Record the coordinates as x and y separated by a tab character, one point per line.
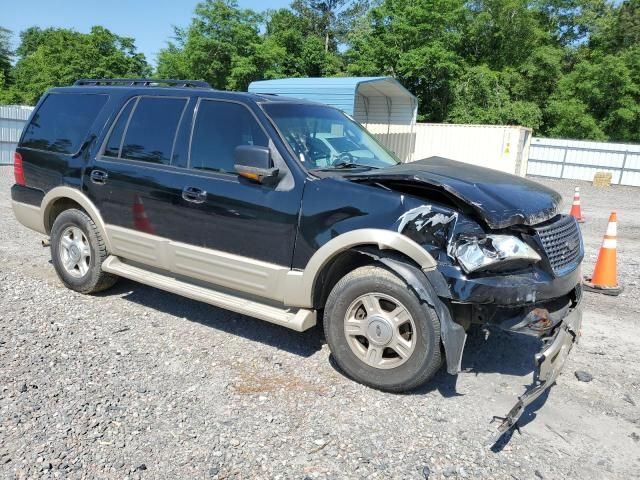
549	363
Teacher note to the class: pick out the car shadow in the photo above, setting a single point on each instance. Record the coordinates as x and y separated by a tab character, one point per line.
303	344
486	351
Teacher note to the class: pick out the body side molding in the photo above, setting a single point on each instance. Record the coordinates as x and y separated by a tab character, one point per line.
237	272
299	285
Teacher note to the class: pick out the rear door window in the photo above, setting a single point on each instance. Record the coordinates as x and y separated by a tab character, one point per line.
151	133
219	128
61	124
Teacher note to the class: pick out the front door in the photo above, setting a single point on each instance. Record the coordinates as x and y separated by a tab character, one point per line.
236	215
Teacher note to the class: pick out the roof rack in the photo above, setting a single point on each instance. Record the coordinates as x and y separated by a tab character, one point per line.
141	82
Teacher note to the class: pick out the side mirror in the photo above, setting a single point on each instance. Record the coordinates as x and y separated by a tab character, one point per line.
254	162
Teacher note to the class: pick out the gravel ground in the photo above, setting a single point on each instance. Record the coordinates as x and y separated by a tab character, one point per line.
138	383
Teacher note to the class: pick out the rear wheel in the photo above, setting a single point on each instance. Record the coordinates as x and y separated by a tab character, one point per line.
380	333
77	253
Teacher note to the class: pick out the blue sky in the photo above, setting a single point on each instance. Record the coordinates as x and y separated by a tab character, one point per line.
150	22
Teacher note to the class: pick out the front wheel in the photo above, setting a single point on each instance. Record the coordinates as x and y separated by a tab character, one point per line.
380	333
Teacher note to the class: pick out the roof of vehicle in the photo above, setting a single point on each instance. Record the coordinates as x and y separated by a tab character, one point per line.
180	91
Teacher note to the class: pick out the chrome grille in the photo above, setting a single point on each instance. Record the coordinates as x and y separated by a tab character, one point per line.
562	243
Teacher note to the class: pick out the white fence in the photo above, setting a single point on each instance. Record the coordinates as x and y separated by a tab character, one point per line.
580	160
400	139
12	120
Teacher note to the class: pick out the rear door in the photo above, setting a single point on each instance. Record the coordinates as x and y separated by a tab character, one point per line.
135	180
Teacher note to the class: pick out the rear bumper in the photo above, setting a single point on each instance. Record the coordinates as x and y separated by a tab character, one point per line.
29	216
549	363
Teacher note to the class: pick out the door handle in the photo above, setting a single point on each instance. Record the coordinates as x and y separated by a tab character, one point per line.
194	195
99	177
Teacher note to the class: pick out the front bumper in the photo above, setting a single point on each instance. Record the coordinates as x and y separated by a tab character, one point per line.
535	285
549	363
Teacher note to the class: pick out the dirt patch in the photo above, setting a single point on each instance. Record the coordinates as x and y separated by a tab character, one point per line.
251	382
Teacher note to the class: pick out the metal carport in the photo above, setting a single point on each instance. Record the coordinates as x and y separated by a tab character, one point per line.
381	104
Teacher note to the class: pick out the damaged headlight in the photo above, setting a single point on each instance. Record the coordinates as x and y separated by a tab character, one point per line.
475	253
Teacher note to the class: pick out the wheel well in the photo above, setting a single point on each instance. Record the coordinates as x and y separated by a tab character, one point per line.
339	266
59	206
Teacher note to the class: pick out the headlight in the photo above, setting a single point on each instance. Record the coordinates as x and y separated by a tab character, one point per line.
474	253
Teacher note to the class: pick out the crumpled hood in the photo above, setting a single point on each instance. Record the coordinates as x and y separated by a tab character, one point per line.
499	198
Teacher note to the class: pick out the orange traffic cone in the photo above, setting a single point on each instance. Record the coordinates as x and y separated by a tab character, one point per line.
140	220
575	206
605	276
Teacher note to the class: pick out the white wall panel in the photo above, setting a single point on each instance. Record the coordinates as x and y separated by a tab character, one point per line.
633	161
12	121
580	160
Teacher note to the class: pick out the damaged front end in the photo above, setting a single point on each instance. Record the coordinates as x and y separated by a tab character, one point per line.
549	363
504	258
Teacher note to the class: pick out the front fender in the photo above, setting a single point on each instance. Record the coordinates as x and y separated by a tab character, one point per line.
300	285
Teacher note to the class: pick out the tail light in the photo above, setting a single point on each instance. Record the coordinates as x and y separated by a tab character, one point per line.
18	171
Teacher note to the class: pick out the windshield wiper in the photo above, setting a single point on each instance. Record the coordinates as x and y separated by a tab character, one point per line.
344	166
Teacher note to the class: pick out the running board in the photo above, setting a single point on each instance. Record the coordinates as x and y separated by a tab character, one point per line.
299	320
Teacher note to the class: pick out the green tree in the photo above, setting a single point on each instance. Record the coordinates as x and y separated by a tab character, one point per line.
222	45
617	28
501	33
598	99
571	22
331	20
563	67
541	71
628	32
417	42
57	57
304	52
486	96
5	55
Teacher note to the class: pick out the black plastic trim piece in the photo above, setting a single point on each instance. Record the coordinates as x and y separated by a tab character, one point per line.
140	82
28	195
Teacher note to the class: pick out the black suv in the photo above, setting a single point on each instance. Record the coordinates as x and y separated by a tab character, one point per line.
288	210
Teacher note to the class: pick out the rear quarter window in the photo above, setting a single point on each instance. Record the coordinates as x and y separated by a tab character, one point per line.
112	148
62	122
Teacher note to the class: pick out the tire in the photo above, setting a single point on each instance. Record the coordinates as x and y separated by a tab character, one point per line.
356	354
87	275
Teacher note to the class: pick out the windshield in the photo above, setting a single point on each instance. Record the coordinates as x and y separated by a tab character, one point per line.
325	138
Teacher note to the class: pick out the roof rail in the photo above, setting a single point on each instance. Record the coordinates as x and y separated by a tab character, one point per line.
141	82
